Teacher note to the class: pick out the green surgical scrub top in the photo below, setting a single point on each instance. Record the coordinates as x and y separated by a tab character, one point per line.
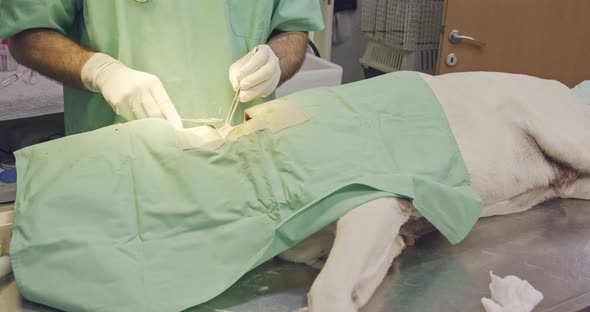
188	44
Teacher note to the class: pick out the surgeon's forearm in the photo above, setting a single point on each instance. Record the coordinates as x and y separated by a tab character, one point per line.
290	48
50	53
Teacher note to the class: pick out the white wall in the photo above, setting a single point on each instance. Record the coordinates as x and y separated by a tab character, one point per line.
348	44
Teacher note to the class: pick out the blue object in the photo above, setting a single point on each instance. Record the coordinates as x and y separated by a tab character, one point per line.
8	176
583	90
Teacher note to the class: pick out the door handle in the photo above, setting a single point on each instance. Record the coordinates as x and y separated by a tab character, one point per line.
455	37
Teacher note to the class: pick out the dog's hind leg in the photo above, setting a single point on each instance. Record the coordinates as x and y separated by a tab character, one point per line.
367	241
581	188
559	125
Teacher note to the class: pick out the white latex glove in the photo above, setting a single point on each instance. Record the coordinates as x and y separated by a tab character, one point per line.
511	294
258	73
132	94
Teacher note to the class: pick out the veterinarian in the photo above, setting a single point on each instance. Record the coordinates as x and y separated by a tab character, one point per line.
131	59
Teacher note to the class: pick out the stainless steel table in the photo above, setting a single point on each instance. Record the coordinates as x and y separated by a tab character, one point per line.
549	246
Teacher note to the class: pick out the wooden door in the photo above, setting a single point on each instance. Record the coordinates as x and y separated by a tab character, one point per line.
544	38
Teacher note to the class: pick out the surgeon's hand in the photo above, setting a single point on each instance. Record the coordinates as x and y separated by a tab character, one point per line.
258	73
132	94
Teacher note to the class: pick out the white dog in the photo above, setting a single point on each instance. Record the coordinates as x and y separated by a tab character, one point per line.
523	140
